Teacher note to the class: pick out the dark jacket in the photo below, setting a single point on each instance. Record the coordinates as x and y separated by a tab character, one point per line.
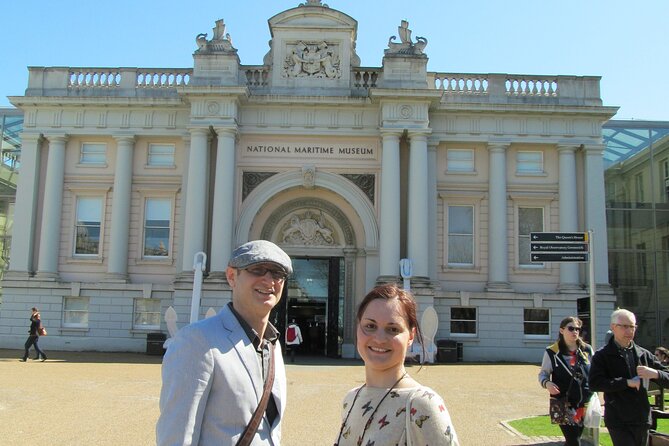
571	380
609	374
34	326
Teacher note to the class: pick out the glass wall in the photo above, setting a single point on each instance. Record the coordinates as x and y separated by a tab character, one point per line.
636	176
11	125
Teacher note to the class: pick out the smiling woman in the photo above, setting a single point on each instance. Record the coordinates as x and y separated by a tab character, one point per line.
391	407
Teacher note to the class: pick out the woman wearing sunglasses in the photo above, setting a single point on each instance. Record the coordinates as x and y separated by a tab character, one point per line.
564	373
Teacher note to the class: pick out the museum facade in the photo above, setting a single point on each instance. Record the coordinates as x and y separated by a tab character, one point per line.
128	173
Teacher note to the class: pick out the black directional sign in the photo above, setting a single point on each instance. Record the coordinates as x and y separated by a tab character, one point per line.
560	247
558	236
559	257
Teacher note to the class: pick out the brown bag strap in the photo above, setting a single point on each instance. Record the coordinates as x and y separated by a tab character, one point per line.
252	427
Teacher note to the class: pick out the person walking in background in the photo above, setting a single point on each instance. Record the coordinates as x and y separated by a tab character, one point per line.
564	373
662	354
33	337
391	407
621	369
224	381
293	338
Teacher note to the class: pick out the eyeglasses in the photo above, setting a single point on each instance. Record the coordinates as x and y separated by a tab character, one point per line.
260	271
572	328
626	327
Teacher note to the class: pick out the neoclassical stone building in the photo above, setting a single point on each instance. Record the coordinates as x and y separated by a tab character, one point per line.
127	173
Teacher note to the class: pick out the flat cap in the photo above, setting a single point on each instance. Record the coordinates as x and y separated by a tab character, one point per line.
260	251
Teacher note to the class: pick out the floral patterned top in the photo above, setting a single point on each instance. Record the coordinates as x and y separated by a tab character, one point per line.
429	423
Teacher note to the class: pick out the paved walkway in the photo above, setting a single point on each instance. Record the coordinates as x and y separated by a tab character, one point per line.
111	399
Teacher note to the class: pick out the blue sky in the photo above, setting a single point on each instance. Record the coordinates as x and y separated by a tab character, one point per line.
624	42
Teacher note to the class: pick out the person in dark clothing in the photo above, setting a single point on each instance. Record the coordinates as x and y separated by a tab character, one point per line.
622	370
564	373
33	337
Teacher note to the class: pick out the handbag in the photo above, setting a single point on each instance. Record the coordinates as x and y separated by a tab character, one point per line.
593	413
252	427
561	411
41	331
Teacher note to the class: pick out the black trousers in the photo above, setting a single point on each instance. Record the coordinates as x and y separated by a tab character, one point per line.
572	434
32	342
629	435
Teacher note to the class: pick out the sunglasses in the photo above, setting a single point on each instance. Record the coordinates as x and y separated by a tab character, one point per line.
260	271
573	329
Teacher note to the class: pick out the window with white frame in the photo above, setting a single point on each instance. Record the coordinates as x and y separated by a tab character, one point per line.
147	314
93	153
638	188
161	155
530	219
460	160
157	218
463	320
665	180
529	162
75	312
87	226
536	321
460	236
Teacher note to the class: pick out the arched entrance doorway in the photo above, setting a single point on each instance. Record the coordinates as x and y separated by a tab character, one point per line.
319	239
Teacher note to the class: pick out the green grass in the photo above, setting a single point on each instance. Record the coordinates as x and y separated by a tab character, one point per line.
542	427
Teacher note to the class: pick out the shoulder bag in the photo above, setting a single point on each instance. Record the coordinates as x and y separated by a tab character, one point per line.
252	427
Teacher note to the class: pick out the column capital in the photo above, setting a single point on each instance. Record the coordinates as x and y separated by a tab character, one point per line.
419	133
498	146
231	131
32	137
124	139
57	138
594	149
204	131
567	148
389	133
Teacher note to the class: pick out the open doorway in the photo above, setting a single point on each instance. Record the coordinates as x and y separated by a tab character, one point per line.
313	297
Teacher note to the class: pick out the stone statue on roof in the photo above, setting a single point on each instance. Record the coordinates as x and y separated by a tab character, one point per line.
220	43
406	47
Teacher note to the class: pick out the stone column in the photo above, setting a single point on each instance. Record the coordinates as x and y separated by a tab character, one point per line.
47	266
432	208
595	209
23	232
418	227
222	226
117	267
498	247
389	203
568	209
195	208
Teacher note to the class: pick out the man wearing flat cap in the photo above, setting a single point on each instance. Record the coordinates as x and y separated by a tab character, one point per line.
217	373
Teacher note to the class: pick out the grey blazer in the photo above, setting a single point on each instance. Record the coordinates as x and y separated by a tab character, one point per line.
212	384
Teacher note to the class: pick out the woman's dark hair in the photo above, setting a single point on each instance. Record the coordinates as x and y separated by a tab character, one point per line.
562	345
405	298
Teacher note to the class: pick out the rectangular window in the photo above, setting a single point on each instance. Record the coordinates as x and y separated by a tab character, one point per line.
87	226
161	155
157	216
75	312
665	180
638	188
529	162
146	314
529	220
93	153
461	235
460	160
463	320
536	321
